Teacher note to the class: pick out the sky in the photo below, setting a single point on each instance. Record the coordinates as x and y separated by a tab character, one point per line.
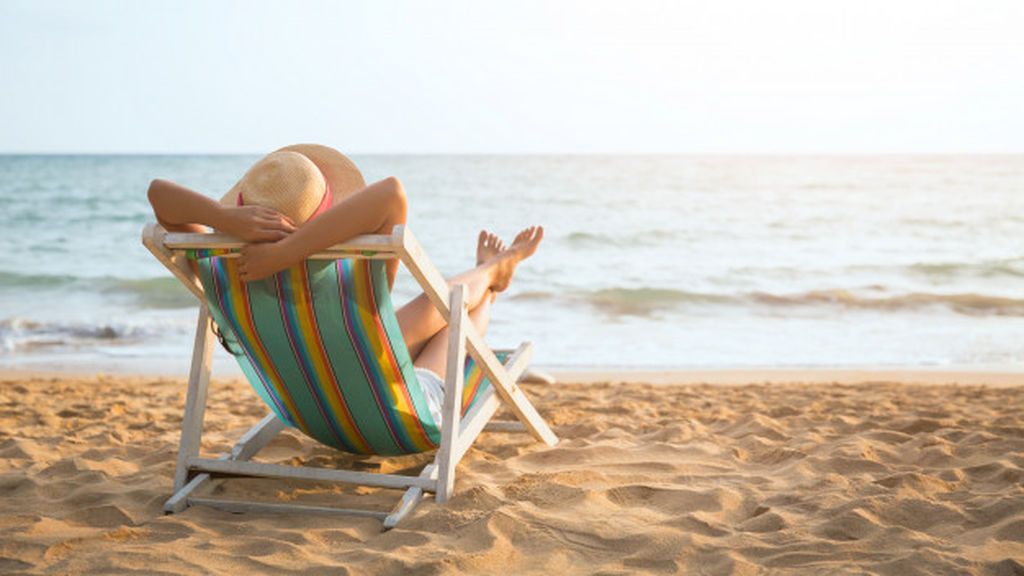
534	77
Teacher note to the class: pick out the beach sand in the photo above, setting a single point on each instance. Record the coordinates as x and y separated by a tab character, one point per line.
799	477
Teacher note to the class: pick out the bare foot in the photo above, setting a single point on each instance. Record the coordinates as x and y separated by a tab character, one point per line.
522	247
488	245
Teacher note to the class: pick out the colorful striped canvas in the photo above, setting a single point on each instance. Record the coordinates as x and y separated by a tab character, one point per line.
321	345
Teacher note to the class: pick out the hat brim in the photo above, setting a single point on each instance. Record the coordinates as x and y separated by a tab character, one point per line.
341	173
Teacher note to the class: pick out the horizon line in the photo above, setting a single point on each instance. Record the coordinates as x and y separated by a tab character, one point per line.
520	154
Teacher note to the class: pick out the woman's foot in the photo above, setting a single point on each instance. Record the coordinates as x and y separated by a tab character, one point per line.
505	261
488	245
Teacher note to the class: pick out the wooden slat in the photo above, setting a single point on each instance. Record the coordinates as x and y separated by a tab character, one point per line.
515	363
257	437
538	377
409	500
485	408
452	408
195	397
247	446
381	244
337	255
475	421
179	500
245	506
422	269
260	470
506	387
153	239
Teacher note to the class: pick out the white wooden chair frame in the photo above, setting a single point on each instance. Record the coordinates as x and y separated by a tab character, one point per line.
457	433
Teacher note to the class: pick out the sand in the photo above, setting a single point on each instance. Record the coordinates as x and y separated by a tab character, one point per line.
802	478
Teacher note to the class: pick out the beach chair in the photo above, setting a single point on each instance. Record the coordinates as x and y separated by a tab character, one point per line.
321	346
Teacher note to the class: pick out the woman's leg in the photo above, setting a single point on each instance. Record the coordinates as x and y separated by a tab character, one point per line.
434	355
420	320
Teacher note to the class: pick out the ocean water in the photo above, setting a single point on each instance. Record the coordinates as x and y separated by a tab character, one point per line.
648	262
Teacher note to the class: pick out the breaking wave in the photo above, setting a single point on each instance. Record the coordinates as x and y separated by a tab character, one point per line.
648	301
163	292
1013	268
580	239
970	304
22	334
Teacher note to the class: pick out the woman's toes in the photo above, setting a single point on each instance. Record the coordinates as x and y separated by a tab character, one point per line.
488	246
528	240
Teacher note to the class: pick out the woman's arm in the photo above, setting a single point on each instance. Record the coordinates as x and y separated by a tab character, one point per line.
375	209
179	209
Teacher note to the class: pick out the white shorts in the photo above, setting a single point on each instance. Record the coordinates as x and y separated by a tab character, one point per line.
433	390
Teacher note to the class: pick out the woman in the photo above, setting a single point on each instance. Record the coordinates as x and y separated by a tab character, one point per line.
301	199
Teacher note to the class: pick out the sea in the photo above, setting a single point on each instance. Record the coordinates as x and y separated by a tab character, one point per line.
648	262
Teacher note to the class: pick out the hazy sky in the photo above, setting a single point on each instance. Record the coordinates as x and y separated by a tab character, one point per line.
525	76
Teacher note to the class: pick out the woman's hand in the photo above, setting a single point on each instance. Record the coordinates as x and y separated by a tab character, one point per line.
257	261
254	223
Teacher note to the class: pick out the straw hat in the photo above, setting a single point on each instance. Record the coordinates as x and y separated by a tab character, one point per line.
295	179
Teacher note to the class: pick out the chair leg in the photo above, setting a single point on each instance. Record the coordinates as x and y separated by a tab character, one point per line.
195	400
248	445
409	500
452	411
506	387
538	376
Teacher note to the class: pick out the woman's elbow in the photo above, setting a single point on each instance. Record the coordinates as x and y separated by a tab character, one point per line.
159	199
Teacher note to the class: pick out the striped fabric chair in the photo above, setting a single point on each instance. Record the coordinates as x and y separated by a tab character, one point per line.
321	346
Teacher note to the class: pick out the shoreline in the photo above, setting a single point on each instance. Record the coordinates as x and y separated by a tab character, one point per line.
732	376
996	377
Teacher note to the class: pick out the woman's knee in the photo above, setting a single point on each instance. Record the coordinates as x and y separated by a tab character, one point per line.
396	192
397	199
